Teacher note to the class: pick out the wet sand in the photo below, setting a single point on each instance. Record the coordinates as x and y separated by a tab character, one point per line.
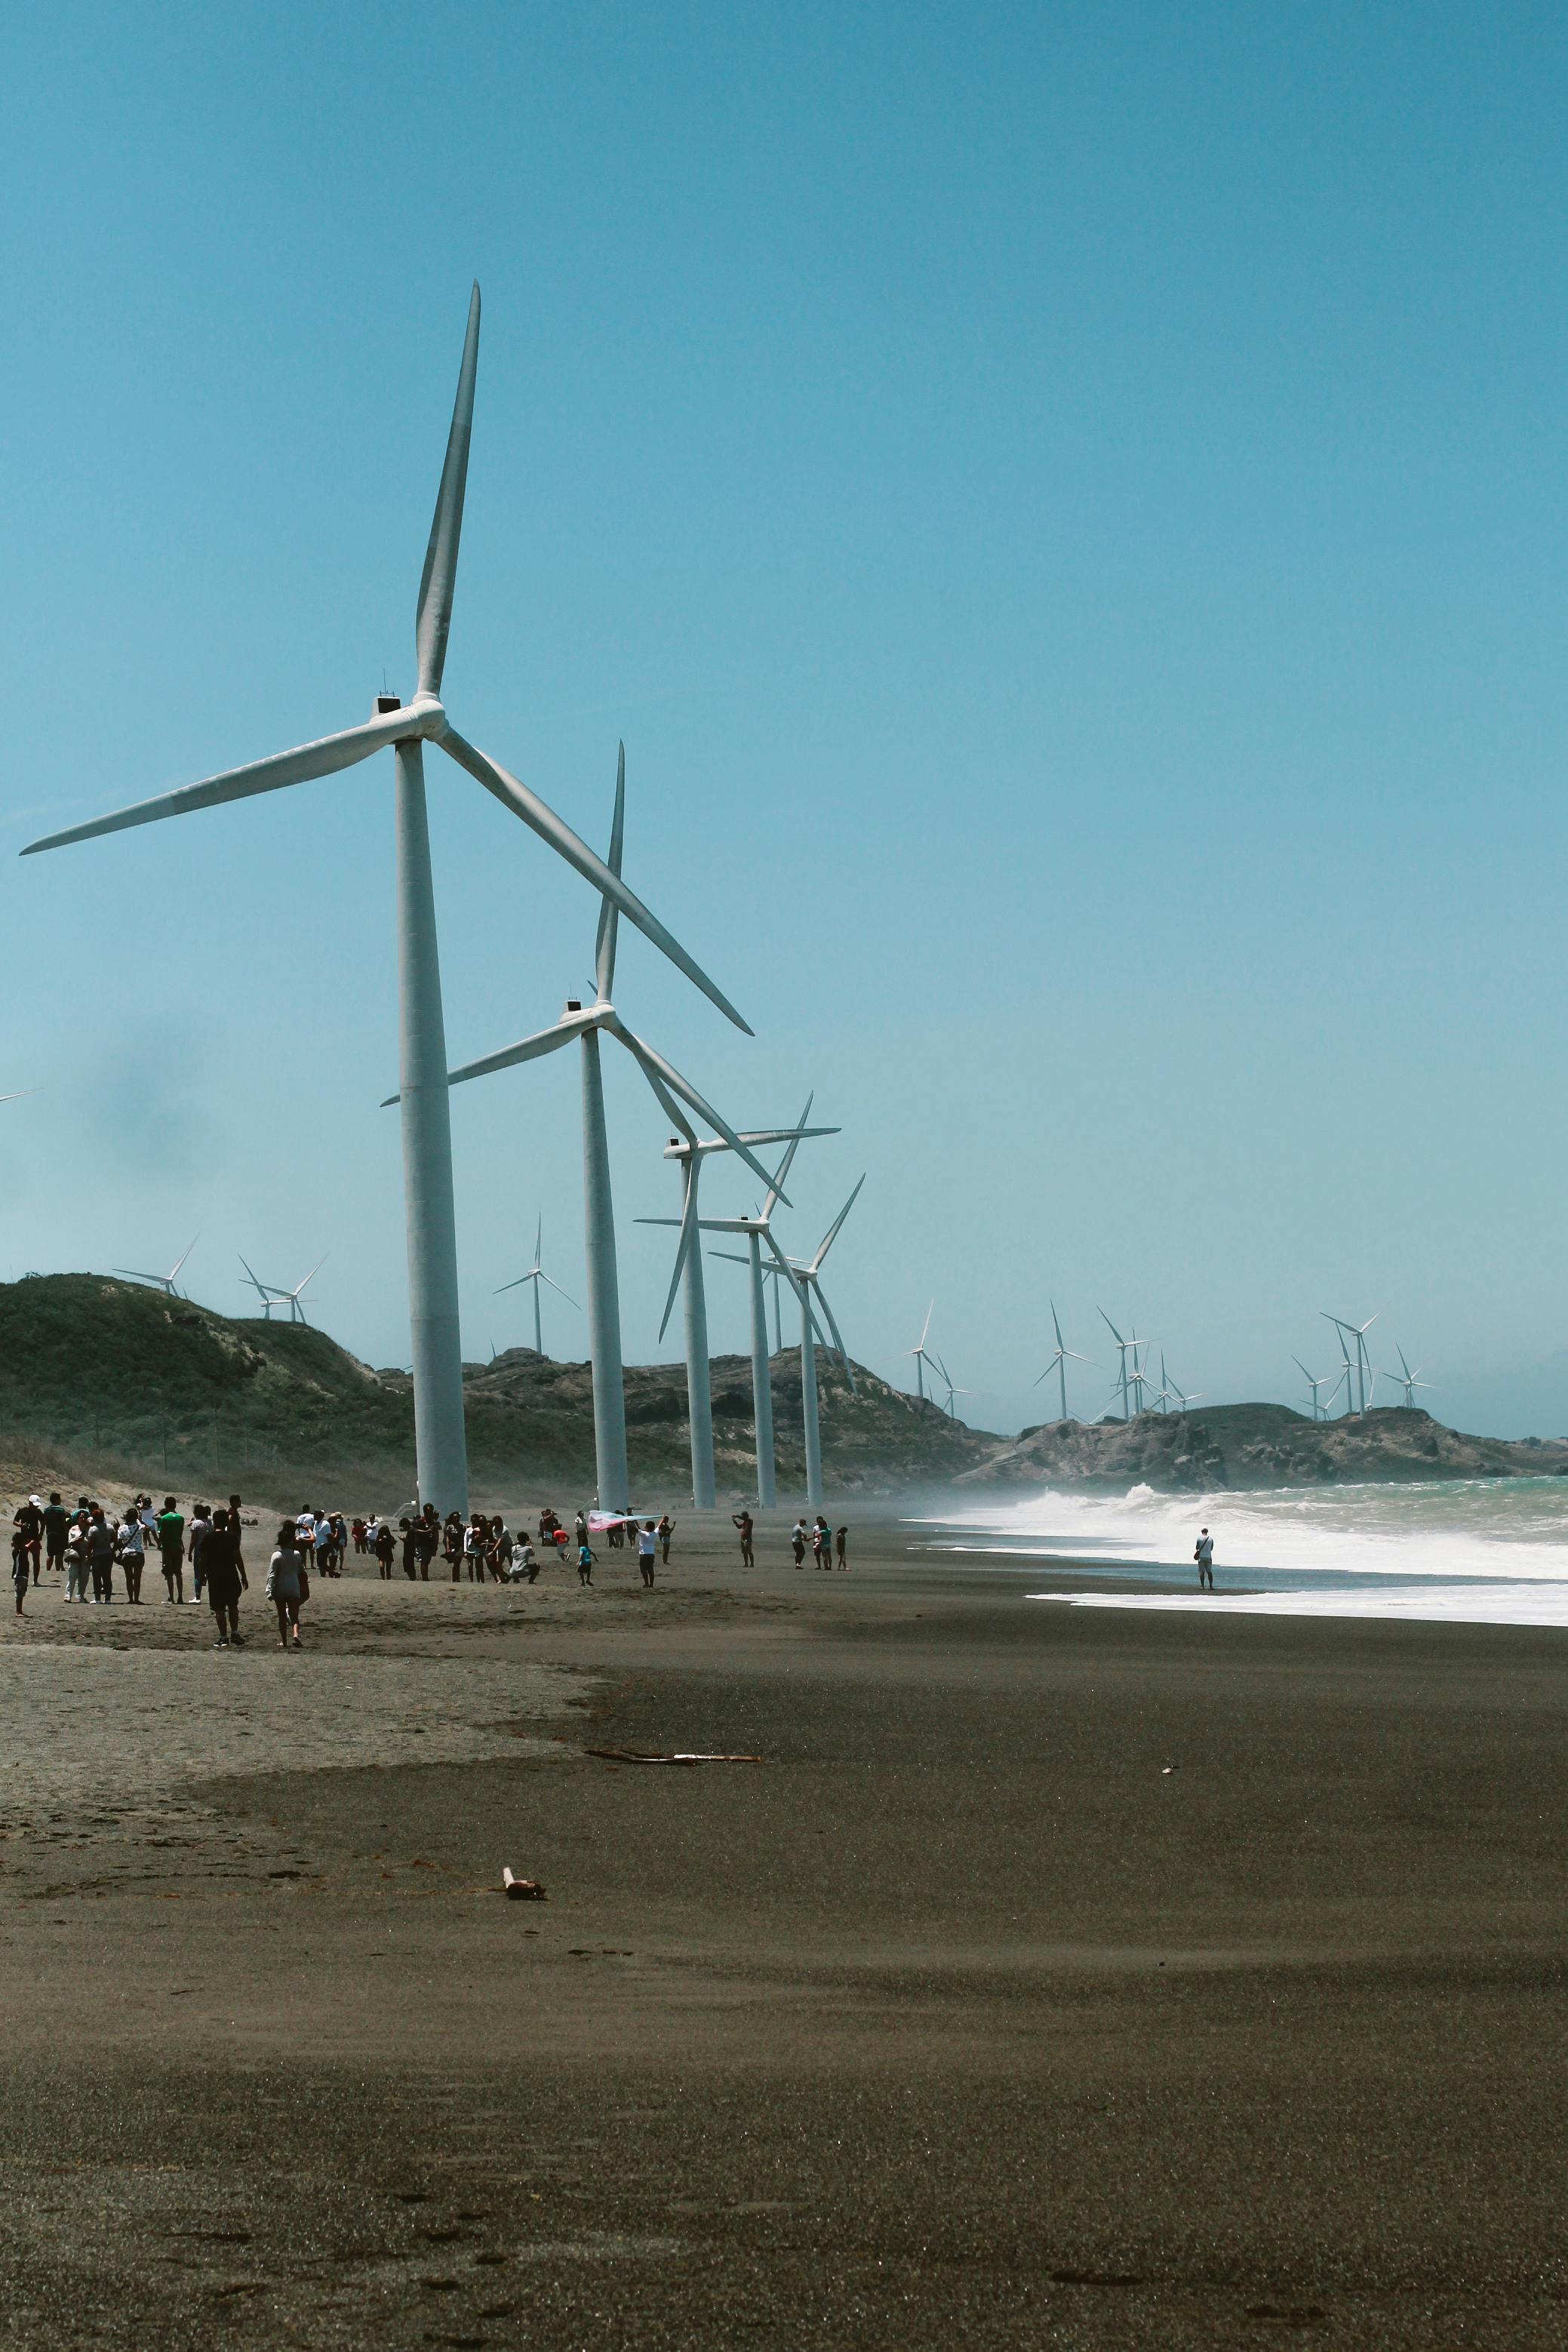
1059	1977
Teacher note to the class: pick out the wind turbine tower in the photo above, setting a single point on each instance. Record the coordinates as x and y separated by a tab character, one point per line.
1356	1331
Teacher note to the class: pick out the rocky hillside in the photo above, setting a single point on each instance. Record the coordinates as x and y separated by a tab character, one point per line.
1235	1446
101	1367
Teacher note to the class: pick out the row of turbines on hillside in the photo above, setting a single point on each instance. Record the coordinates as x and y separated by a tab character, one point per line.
1138	1392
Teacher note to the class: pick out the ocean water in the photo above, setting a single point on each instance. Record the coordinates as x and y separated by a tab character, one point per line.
1473	1550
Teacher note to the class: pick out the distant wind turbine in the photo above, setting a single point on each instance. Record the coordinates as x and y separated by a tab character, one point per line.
1314	1382
952	1391
271	1296
165	1282
1356	1331
922	1362
1409	1381
806	1280
1060	1360
536	1275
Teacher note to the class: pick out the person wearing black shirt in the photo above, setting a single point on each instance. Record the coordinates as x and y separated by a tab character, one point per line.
56	1520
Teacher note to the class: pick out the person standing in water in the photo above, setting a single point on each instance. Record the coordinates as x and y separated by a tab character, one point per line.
1204	1557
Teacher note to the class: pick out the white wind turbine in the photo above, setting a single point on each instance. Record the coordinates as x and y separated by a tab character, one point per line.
1409	1381
1122	1346
689	1150
806	1280
536	1275
922	1362
271	1296
1314	1382
440	1445
952	1391
584	1026
163	1282
1171	1395
754	1230
1060	1360
1356	1331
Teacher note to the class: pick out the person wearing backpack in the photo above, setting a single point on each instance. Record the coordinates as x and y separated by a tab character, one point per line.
172	1548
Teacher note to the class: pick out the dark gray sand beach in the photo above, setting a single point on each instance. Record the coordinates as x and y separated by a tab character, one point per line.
1057	1977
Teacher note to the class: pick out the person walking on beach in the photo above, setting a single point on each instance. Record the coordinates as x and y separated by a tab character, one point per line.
582	1527
76	1560
21	1567
666	1537
30	1519
288	1584
584	1563
743	1520
197	1534
1204	1557
172	1548
385	1550
647	1540
841	1544
797	1542
821	1543
225	1580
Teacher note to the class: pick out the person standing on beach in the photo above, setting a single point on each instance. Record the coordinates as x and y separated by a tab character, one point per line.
286	1583
21	1567
584	1563
646	1540
797	1542
666	1537
841	1543
171	1547
385	1549
1204	1557
132	1552
101	1555
197	1534
743	1520
55	1518
31	1520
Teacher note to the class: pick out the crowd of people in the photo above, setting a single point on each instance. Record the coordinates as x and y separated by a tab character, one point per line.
90	1543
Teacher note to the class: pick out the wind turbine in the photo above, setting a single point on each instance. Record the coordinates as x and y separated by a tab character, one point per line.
163	1282
1172	1394
585	1025
1314	1383
440	1447
1356	1331
1140	1378
688	1150
755	1230
1122	1372
271	1296
953	1392
536	1275
919	1352
805	1281
1409	1381
1059	1361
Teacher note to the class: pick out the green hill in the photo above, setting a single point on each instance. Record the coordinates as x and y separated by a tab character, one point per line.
99	1367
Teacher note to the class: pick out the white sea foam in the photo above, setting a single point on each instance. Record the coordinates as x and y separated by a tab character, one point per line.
1484	1551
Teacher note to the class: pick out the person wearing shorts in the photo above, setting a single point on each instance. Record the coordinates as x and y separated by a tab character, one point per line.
286	1584
742	1519
172	1548
1204	1557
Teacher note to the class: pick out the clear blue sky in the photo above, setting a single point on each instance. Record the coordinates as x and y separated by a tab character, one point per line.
1066	506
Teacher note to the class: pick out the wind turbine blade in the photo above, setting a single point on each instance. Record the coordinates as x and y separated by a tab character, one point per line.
512	1285
832	1230
301	766
181	1261
1056	1320
609	917
1110	1326
656	1063
838	1336
777	1183
1074	1357
556	1286
527	1049
683	1248
752	1135
544	822
732	1256
440	574
925	1329
672	1111
310	1276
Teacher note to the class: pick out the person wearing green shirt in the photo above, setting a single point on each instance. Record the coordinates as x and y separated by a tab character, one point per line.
171	1547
